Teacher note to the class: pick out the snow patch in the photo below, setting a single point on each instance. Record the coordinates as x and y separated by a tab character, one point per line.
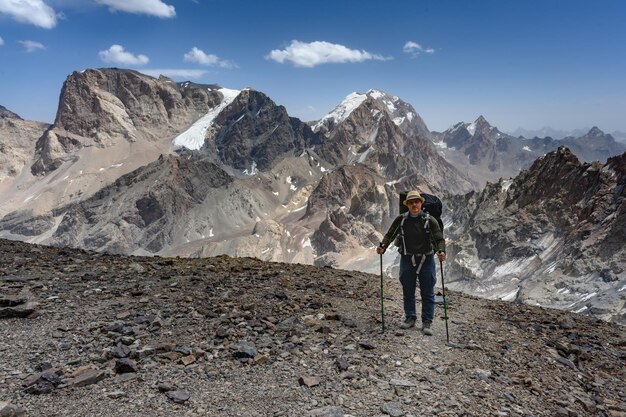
364	154
252	171
193	138
580	310
211	233
506	184
306	243
551	267
526	148
398	120
343	110
471	128
512	267
510	296
375	94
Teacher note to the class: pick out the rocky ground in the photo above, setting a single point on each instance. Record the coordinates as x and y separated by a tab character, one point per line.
88	334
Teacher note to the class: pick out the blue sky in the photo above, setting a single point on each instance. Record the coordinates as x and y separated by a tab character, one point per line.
529	64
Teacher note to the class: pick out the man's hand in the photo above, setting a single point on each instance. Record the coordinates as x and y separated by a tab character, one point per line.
380	250
441	256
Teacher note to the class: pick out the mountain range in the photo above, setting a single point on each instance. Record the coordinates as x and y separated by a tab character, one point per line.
139	165
547	131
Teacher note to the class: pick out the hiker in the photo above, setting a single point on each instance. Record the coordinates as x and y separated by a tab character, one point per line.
420	236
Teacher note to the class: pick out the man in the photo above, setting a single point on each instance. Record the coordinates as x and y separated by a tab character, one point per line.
420	237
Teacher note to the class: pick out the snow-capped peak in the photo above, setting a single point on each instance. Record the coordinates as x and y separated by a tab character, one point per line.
193	138
471	128
386	99
343	110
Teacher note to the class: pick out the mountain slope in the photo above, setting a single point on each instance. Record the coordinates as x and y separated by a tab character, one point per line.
237	336
540	240
17	141
109	122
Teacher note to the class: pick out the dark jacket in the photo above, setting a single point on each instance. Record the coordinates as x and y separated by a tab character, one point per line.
417	238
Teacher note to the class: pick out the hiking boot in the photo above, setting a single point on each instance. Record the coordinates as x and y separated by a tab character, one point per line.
426	328
408	323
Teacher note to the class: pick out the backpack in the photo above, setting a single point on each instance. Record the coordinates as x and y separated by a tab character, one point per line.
432	206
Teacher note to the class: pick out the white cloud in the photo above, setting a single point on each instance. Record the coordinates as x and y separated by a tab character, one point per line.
414	49
34	12
175	73
1	41
117	55
150	7
197	55
302	54
31	46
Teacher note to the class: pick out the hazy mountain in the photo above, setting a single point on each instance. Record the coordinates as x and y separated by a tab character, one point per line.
486	154
547	132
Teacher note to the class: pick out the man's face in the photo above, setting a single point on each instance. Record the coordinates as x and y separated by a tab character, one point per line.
414	206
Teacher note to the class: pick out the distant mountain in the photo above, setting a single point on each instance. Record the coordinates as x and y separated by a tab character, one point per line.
270	166
619	136
487	154
547	132
595	145
553	235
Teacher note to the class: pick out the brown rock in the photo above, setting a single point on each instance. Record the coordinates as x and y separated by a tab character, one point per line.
309	381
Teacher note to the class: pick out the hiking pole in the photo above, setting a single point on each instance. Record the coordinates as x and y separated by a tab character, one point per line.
445	303
382	299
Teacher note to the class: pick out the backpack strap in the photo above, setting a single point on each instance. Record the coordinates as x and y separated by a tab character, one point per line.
404	217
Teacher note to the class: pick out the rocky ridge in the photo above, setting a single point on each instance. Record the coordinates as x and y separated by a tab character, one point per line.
237	336
547	242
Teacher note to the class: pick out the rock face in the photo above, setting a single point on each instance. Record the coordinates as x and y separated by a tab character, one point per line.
17	141
540	240
272	339
99	107
254	133
363	130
